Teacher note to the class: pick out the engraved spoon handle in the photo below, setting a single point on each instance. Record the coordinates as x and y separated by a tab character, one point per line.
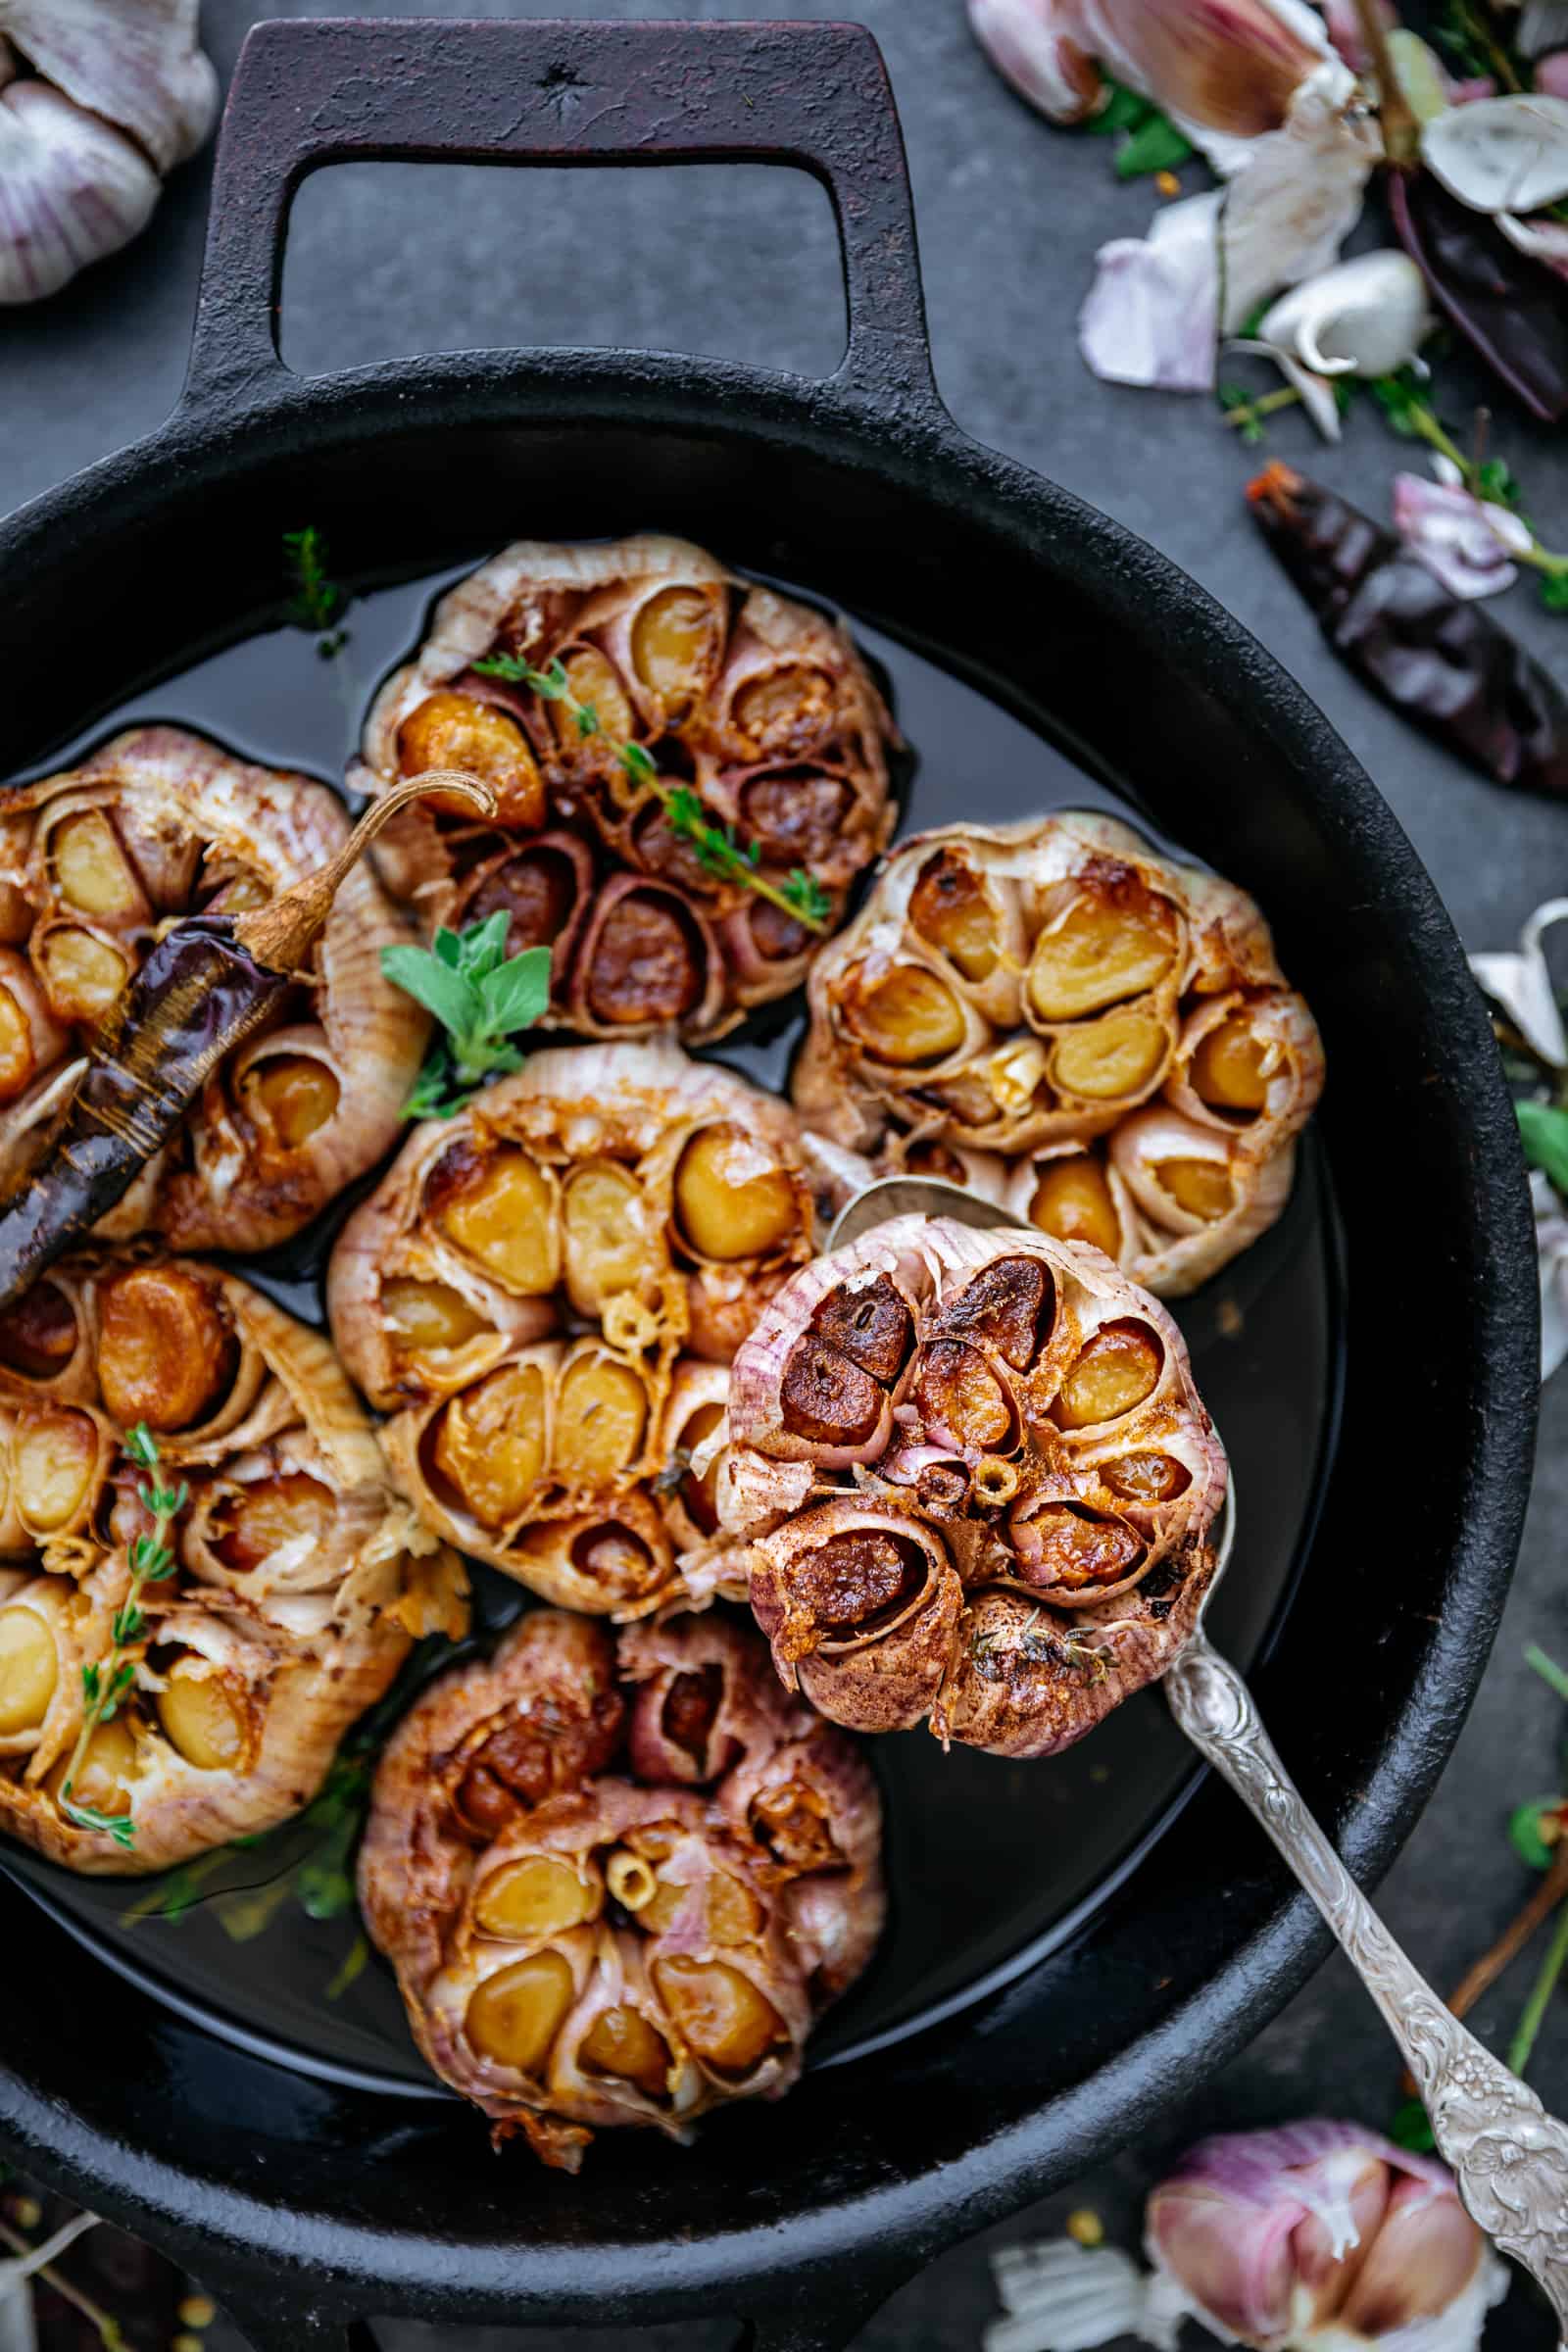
1509	2157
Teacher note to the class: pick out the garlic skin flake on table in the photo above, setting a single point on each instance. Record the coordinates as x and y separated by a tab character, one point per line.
99	100
1089	1033
1364	317
1317	2236
300	1579
970	1483
543	1291
619	1881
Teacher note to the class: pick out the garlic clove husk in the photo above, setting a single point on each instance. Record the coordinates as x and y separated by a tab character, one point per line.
1037	45
1543	240
1366	316
1464	540
1521	982
139	66
1152	315
71	190
1501	155
1288	213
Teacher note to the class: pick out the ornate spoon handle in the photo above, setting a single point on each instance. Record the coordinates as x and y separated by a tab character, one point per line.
1509	2157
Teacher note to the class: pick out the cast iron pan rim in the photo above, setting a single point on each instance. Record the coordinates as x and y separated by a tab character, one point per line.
925	454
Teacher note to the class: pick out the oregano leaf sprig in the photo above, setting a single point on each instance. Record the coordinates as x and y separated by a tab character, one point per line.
105	1687
719	852
482	998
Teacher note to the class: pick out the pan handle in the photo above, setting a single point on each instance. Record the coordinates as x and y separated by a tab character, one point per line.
306	94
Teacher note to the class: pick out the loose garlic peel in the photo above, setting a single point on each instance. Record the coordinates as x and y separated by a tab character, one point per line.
991	1510
618	1933
283	1619
762	704
658	1200
1023	996
94	861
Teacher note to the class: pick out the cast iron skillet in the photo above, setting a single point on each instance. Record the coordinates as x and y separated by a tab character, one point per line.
306	2204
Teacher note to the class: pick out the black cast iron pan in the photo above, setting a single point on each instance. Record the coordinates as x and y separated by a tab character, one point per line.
307	2199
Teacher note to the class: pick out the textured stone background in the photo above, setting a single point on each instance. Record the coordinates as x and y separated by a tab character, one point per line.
386	261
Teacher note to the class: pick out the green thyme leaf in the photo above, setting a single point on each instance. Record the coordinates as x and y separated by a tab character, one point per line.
1156	145
317	599
637	763
118	1826
1544	1132
141	1447
808	896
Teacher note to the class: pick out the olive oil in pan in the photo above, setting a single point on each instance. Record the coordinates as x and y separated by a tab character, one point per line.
1018	1853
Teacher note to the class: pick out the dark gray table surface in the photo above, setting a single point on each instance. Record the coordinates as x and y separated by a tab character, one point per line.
743	262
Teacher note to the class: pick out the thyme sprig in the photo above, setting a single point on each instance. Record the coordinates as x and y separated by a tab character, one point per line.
717	849
319	602
482	998
105	1687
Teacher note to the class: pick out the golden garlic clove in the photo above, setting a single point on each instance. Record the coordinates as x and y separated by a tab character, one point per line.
30	1669
788	710
54	1456
202	1717
1072	1200
1228	1067
732	1197
513	2016
425	1317
288	1097
908	1018
92	873
40	1334
725	2022
1111	1060
106	1773
621	2043
263	1517
536	1896
601	1414
1113	1373
949	908
81	974
609	1247
500	1210
1101	951
491	1442
1201	1187
165	1349
675	647
458	730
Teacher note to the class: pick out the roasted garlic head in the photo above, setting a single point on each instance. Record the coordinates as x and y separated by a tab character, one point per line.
93	865
1089	1033
758	706
970	1483
541	1293
580	1948
297	1581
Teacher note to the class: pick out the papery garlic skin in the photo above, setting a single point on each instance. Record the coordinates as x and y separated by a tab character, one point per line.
762	704
656	1201
970	1482
93	860
664	1935
301	1576
124	94
979	944
1367	316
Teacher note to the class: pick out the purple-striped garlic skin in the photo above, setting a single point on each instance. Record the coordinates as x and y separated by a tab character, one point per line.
158	824
761	705
618	1876
1016	1533
300	1581
1092	1035
658	1202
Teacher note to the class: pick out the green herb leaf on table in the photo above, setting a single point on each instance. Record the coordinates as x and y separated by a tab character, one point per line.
1411	2129
1544	1132
1536	1830
1156	145
480	997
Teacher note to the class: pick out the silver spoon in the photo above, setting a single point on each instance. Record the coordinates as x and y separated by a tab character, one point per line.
1508	2156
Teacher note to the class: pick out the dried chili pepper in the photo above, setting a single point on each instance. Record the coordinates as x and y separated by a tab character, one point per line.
207	985
1444	662
1504	304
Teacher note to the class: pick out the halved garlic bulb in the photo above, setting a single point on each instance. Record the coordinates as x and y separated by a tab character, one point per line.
581	1947
161	822
299	1578
1011	1002
760	706
97	102
970	1483
658	1201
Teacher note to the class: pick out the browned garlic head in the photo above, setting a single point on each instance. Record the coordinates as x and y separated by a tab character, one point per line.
99	100
543	1291
1089	1033
301	1578
577	1949
93	864
971	1481
759	705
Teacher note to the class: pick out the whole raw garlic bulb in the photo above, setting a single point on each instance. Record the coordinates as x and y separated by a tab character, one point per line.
99	99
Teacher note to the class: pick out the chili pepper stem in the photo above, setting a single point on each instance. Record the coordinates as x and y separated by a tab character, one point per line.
1545	1985
281	934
